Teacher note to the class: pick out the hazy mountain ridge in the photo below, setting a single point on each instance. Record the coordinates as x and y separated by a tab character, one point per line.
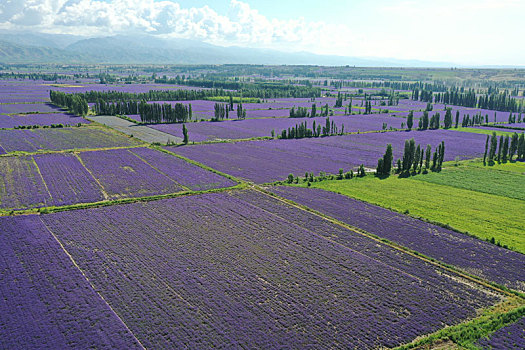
46	48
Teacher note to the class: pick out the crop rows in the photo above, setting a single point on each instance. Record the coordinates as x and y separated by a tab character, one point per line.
12	121
241	269
329	154
45	302
470	254
61	139
240	129
509	337
65	178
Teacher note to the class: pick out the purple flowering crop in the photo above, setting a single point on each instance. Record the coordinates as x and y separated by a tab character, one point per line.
45	301
61	139
507	338
241	269
11	121
248	128
273	160
477	257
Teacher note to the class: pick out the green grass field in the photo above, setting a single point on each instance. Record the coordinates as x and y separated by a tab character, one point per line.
480	214
500	180
486	131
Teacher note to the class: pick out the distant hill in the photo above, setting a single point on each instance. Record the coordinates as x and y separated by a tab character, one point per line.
47	48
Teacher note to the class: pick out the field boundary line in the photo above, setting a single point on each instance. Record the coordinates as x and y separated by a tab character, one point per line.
104	193
203	166
69	150
91	285
107	203
159	171
388	243
41	177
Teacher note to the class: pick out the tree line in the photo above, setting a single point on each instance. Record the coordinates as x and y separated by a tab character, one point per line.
504	150
302	130
498	101
73	103
164	113
414	161
262	89
303	112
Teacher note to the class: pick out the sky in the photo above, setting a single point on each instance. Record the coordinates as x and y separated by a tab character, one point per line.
463	32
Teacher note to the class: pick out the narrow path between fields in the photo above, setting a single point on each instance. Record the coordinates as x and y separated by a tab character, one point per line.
141	132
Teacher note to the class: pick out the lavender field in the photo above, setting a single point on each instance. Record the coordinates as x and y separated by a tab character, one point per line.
136	224
65	178
16	120
56	307
240	269
470	254
508	337
329	154
248	128
61	139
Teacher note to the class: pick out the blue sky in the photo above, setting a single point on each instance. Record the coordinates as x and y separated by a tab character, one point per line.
470	32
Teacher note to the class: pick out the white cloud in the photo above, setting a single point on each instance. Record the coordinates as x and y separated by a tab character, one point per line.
242	25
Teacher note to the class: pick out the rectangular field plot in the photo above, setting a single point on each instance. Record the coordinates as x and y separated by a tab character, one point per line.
477	257
146	172
66	178
12	121
243	270
248	128
28	108
45	301
273	160
483	215
62	139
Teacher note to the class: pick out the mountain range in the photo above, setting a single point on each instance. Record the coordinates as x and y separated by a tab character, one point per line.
26	47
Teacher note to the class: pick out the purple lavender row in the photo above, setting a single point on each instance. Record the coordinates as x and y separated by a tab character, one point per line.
184	173
46	303
224	270
7	121
240	129
122	174
477	257
67	181
60	139
511	337
329	154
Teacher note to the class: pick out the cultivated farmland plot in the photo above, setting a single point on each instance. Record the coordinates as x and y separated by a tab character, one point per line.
11	121
66	178
241	269
329	154
248	128
61	139
46	302
470	254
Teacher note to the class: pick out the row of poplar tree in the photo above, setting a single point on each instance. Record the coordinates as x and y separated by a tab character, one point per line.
73	103
505	149
501	101
222	111
414	161
302	130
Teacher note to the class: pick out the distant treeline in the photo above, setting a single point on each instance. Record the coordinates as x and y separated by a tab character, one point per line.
498	101
149	112
302	130
263	89
73	103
